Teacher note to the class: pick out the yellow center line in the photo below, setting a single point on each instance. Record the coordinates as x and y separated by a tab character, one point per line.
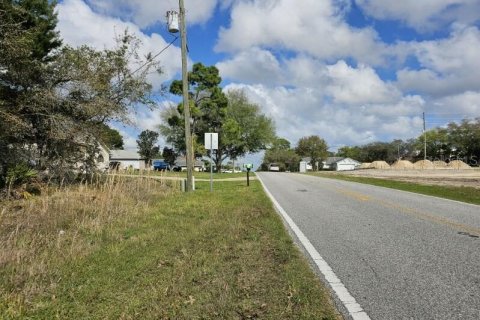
426	216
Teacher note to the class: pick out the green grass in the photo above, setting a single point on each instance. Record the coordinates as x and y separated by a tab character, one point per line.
463	194
198	175
202	255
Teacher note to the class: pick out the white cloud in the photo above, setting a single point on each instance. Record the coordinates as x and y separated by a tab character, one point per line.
252	66
79	25
303	111
145	13
448	66
314	27
465	105
359	85
342	83
423	15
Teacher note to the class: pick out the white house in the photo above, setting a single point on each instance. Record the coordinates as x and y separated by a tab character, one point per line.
125	159
308	166
340	164
181	164
102	159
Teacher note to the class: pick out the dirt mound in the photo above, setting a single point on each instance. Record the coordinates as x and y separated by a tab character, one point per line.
439	164
365	165
424	164
380	165
458	164
402	165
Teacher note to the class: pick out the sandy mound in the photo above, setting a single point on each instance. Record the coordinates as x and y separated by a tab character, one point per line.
365	165
425	164
439	164
380	165
402	165
458	164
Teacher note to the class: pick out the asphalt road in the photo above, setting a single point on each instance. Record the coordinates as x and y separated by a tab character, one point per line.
399	254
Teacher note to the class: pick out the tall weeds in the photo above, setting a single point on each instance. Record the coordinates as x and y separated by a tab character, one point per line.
66	223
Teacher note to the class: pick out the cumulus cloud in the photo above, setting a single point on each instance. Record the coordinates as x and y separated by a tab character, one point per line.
465	105
252	66
358	85
314	27
145	13
340	81
448	66
79	25
303	111
424	15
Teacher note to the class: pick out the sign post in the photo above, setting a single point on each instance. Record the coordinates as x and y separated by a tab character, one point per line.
211	143
249	167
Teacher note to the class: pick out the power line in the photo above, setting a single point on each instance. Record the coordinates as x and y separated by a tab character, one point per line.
155	56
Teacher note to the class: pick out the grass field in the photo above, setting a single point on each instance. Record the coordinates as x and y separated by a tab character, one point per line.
197	175
463	194
156	254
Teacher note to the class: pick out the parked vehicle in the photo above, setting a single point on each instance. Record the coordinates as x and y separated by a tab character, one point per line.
160	165
273	167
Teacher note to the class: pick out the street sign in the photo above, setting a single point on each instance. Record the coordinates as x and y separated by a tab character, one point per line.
211	141
248	166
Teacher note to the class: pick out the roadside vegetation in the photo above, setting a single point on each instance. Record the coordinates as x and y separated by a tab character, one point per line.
180	174
463	194
133	248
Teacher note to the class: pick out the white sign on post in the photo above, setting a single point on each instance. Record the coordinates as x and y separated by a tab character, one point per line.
211	141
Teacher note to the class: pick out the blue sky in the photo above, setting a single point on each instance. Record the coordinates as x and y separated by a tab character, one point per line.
352	72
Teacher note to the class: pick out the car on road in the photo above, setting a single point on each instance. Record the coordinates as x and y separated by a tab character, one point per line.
273	167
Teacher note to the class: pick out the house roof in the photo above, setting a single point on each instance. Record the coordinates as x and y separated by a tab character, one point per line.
332	160
124	155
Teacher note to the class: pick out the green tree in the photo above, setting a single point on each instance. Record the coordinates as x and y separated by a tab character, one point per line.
49	110
110	137
465	140
313	147
208	107
242	128
169	155
280	144
27	41
350	152
147	147
281	154
439	144
245	129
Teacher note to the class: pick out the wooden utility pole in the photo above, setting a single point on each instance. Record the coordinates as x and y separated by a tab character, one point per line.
186	105
424	139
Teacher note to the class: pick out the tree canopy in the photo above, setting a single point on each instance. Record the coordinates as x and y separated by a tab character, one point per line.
110	137
242	128
53	98
282	154
147	146
313	147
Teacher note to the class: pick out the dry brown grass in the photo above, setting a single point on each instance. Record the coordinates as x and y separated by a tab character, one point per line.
64	224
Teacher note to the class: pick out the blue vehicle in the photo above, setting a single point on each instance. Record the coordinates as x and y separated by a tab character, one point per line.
160	165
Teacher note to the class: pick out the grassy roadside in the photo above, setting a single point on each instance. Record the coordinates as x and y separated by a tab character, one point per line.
224	255
463	194
198	175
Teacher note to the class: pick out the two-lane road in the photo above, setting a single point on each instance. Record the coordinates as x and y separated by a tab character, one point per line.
400	255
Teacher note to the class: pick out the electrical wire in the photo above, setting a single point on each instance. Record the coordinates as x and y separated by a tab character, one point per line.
155	56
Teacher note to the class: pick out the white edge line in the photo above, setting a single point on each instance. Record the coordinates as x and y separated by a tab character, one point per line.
353	308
